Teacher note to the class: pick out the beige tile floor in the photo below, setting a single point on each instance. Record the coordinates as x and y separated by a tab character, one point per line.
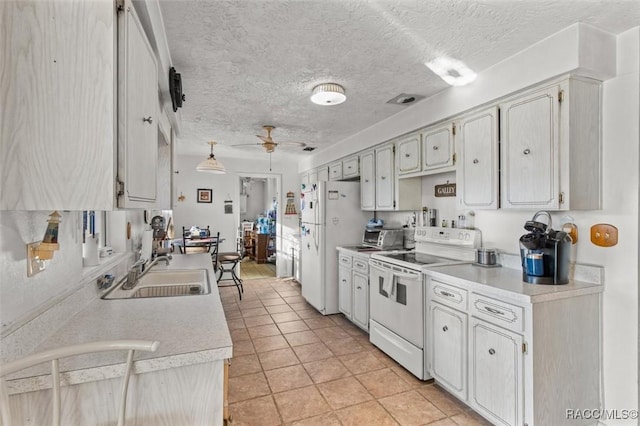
293	366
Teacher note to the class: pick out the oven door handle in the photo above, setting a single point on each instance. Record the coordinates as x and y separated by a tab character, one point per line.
397	274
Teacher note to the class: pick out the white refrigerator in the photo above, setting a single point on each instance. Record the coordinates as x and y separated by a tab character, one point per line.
331	217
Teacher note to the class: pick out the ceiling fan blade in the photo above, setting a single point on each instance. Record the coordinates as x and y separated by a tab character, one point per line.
265	139
249	144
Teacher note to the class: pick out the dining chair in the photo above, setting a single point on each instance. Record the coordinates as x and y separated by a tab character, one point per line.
54	355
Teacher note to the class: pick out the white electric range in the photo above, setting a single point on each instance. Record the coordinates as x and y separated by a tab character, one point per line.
397	300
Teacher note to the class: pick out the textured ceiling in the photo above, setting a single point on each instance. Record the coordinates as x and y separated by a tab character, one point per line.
245	63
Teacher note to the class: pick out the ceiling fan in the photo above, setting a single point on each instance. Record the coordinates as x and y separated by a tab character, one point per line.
269	144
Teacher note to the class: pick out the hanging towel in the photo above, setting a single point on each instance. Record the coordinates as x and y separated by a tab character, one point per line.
389	282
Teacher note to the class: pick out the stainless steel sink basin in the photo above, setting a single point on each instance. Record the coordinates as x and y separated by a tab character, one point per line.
180	282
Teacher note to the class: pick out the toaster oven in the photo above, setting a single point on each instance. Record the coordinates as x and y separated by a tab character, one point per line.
383	239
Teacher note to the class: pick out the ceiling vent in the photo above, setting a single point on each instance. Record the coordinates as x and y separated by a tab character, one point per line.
308	148
405	99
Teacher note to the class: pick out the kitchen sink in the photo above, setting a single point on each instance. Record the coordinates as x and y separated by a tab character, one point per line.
183	282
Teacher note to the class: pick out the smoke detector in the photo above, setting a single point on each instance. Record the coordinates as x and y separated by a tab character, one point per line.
405	99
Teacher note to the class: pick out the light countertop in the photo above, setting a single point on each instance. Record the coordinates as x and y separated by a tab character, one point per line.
508	282
190	329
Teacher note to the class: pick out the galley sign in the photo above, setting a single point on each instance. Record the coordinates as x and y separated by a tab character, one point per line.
445	190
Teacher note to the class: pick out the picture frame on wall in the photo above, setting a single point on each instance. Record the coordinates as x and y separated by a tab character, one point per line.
205	195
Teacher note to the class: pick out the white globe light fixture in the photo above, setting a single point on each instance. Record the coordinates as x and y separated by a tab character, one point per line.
328	94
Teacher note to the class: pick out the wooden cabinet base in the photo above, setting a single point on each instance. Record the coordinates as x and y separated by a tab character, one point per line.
189	395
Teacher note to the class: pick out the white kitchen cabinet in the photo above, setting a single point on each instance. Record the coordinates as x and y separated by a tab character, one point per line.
515	359
497	388
385	177
304	179
478	169
60	135
550	147
360	281
335	171
448	346
322	174
138	113
409	155
345	291
350	168
437	146
353	287
368	180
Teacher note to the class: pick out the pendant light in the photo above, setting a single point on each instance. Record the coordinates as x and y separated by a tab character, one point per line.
211	165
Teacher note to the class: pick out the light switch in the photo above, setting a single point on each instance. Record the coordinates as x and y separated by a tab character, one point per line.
604	235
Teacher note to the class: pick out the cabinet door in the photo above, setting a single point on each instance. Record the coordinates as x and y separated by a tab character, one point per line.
304	180
344	291
449	348
409	155
496	376
57	138
361	300
335	171
437	146
323	174
479	173
137	113
350	168
529	149
384	178
367	181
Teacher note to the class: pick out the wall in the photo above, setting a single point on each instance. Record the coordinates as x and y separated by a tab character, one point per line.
189	212
256	199
621	164
22	298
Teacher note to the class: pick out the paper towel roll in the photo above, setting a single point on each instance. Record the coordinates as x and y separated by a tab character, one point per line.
90	251
147	244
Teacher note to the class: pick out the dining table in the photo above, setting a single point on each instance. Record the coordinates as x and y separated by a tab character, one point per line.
202	243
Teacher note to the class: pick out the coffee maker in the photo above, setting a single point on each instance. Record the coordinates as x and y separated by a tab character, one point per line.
544	253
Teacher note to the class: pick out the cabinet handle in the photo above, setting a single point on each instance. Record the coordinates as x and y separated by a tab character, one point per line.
359	287
446	293
407	155
344	281
383	177
475	161
435	147
492	351
493	311
526	151
445	328
366	180
147	119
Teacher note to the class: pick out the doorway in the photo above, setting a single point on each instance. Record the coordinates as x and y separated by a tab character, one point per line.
258	212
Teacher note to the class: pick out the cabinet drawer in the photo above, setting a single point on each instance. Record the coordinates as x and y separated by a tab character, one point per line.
360	265
448	295
498	312
344	260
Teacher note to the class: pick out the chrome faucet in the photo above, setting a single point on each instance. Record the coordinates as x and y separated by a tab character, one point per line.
139	270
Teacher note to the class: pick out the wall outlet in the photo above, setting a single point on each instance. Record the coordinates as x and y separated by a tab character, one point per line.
604	235
34	264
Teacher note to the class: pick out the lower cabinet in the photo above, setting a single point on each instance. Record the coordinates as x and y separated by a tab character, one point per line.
514	359
353	287
449	348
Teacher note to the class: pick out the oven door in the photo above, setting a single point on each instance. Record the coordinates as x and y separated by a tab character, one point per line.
396	300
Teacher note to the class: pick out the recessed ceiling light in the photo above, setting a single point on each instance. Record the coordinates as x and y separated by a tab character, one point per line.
452	71
328	94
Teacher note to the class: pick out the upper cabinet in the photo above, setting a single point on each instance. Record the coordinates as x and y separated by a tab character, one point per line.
335	171
478	171
380	188
350	168
368	180
550	147
322	174
138	113
437	146
60	147
409	157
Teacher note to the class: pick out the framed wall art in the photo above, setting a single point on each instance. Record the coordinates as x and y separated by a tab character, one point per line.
205	195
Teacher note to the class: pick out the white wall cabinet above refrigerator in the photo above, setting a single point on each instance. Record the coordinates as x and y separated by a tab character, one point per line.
60	136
